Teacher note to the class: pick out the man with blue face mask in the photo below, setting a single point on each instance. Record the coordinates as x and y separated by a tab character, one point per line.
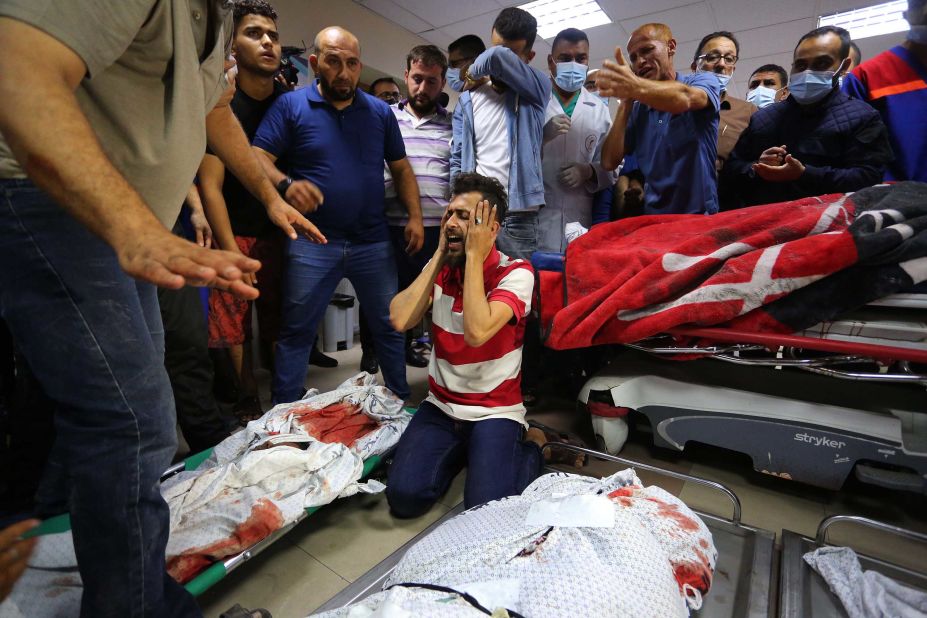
576	122
767	85
895	84
818	140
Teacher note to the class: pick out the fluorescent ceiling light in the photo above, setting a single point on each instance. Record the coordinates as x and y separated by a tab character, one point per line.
555	15
884	18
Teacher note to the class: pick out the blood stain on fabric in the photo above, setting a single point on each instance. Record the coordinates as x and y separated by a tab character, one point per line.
671	511
265	518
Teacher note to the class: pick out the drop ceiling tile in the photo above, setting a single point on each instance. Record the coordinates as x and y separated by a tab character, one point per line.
398	15
438	37
480	25
759	42
737	15
688	23
626	9
441	14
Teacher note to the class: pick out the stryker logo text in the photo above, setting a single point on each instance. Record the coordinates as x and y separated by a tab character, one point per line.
819	440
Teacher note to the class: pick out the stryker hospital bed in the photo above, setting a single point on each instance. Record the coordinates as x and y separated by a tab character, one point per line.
845	395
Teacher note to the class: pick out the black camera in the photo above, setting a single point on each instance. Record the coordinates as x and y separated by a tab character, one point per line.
288	68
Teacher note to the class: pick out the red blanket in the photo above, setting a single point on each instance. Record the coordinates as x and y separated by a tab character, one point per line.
766	268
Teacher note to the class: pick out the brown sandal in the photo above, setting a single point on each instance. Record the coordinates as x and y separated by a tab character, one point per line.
561	456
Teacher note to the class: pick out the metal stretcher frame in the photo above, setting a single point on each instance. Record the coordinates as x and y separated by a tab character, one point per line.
802	592
218	570
743	580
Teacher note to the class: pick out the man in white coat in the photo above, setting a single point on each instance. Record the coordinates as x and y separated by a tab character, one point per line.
576	123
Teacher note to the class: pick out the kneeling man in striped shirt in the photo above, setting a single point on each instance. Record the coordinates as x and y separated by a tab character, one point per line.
474	415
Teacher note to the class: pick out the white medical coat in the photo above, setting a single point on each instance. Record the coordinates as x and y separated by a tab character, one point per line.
590	123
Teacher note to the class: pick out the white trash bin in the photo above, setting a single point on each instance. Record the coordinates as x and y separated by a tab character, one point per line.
338	324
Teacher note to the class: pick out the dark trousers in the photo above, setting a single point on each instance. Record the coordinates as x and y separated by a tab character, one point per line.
189	367
93	337
435	447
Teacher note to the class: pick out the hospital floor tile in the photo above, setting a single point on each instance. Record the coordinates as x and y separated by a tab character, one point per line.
284	580
353	535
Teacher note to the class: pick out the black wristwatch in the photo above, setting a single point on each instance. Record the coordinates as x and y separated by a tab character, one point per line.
283	185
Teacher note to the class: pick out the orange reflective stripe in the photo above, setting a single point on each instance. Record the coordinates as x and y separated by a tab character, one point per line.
897	89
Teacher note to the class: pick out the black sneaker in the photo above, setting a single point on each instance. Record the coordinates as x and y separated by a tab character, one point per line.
317	358
369	362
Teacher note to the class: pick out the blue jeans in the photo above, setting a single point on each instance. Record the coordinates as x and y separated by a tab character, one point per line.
435	447
518	236
93	337
312	274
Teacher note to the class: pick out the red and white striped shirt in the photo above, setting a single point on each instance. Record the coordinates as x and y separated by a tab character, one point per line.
468	383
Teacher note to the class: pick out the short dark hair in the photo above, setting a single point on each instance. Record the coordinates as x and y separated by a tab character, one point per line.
573	35
515	24
716	35
840	32
490	188
773	68
381	80
243	8
853	45
468	44
429	55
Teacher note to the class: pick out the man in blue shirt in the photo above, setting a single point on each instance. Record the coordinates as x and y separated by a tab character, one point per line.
335	139
668	121
499	122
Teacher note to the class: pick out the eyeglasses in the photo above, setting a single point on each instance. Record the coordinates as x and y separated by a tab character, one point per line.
389	97
714	57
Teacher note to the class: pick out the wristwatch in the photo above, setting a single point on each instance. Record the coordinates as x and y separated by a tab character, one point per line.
283	185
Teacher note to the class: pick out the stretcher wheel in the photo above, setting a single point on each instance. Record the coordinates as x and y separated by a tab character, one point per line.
610	432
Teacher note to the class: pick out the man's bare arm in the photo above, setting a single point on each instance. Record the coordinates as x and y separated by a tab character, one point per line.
227	139
407	189
302	194
212	175
409	306
613	145
53	141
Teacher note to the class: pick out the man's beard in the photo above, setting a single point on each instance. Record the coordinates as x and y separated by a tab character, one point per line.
423	109
330	93
457	260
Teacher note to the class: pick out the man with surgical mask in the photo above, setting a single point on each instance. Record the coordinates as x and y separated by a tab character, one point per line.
717	53
768	84
895	84
818	140
576	122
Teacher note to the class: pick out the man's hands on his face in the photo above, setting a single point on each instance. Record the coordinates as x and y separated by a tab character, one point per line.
558	125
304	195
790	169
293	223
415	236
575	175
151	253
442	237
616	79
14	554
480	236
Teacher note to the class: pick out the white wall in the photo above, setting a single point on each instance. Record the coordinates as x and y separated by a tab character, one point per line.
384	45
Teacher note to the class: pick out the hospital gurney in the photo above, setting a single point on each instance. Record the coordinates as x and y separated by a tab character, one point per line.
744	569
218	570
846	395
803	592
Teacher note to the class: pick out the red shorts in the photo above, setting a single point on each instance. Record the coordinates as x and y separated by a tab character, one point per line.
230	316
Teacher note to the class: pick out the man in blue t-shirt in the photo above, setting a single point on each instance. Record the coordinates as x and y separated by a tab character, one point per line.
335	139
668	121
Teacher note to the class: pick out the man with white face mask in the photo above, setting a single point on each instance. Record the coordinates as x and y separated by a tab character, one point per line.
895	84
815	142
576	122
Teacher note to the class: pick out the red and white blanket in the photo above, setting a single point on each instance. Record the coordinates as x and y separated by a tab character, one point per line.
774	268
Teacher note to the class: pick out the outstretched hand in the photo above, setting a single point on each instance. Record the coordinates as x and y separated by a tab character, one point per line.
155	255
481	234
616	79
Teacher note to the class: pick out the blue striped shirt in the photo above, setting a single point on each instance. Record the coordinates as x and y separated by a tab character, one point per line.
428	149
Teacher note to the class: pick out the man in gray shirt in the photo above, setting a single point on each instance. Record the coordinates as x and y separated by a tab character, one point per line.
100	145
